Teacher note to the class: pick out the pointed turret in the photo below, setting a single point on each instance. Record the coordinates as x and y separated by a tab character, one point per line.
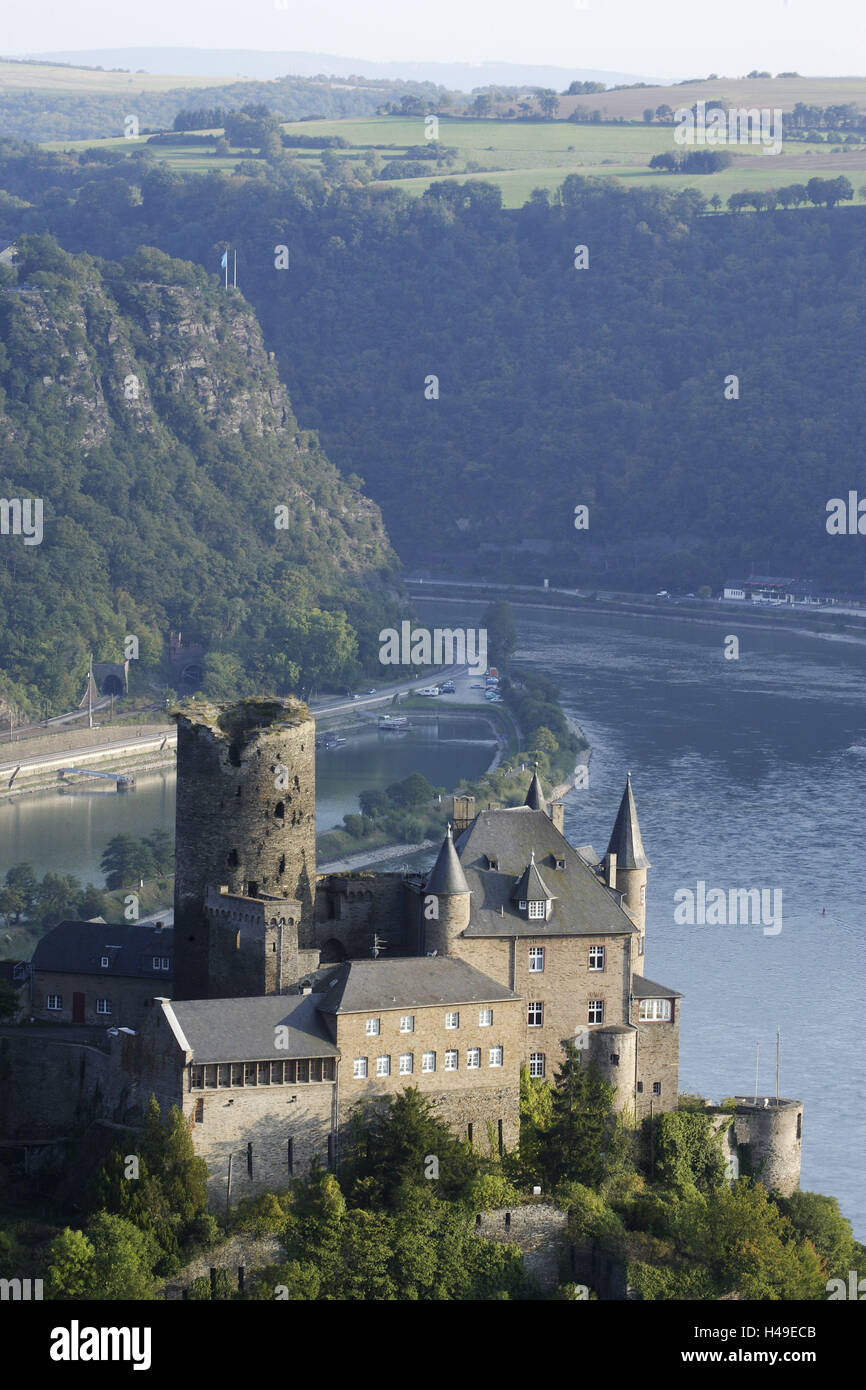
626	864
625	840
447	876
446	900
535	796
530	887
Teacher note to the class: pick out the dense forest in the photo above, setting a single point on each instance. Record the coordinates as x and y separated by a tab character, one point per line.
39	113
606	387
139	405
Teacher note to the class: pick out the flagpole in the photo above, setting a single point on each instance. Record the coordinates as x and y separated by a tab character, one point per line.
90	693
236	271
227	267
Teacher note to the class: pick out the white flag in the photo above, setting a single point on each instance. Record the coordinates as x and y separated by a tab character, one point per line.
225	260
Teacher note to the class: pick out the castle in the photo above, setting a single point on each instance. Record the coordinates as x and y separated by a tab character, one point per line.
281	1023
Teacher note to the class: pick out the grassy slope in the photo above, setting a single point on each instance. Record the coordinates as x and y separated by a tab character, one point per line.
50	78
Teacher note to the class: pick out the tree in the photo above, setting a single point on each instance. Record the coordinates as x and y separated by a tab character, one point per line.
574	1145
549	103
374	804
22	880
390	1151
120	861
687	1150
414	790
664	113
161	846
818	1219
111	1259
11	904
501	632
648	115
667	160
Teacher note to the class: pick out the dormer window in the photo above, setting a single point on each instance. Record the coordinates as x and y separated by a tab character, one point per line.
537	909
104	962
492	861
560	864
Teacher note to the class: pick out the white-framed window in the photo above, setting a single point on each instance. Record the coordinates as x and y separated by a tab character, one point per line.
54	1001
596	957
164	963
642	894
407	1023
655	1011
104	962
359	1068
103	1006
522	904
496	1056
156	960
657	1088
536	960
452	1020
428	1061
451	1060
485	1018
535	1013
383	1066
407	1063
536	1064
596	1011
538	909
473	1058
372	1027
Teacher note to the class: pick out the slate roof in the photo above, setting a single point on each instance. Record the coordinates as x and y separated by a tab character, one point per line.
531	887
583	906
242	1030
642	988
535	796
446	876
75	948
625	839
365	986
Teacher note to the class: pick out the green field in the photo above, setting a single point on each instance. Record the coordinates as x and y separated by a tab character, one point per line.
521	156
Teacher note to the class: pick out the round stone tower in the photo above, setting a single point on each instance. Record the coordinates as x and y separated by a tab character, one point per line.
246	817
627	864
445	901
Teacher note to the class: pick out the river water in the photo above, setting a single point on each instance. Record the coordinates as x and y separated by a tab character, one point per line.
747	773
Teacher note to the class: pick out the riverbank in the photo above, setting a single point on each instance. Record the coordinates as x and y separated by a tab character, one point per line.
827	623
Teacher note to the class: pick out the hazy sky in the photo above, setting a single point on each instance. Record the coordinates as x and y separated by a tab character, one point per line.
675	38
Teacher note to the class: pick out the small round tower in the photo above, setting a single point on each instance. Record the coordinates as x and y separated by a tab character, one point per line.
445	901
630	864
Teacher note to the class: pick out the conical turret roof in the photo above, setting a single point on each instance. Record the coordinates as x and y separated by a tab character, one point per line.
625	840
535	796
447	876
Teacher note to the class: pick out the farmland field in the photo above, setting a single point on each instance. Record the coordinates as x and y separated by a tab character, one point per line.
521	156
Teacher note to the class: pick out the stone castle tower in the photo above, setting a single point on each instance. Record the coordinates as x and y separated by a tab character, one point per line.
446	901
246	820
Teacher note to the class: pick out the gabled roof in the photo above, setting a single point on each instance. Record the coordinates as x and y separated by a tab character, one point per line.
642	988
530	887
366	986
76	948
243	1030
446	876
583	906
625	840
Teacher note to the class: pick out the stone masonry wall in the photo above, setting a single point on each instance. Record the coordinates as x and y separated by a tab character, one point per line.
236	824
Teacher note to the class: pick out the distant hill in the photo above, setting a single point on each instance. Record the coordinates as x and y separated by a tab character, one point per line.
138	402
257	63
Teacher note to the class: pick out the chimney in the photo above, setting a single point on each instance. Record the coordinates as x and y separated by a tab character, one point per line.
557	815
610	869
